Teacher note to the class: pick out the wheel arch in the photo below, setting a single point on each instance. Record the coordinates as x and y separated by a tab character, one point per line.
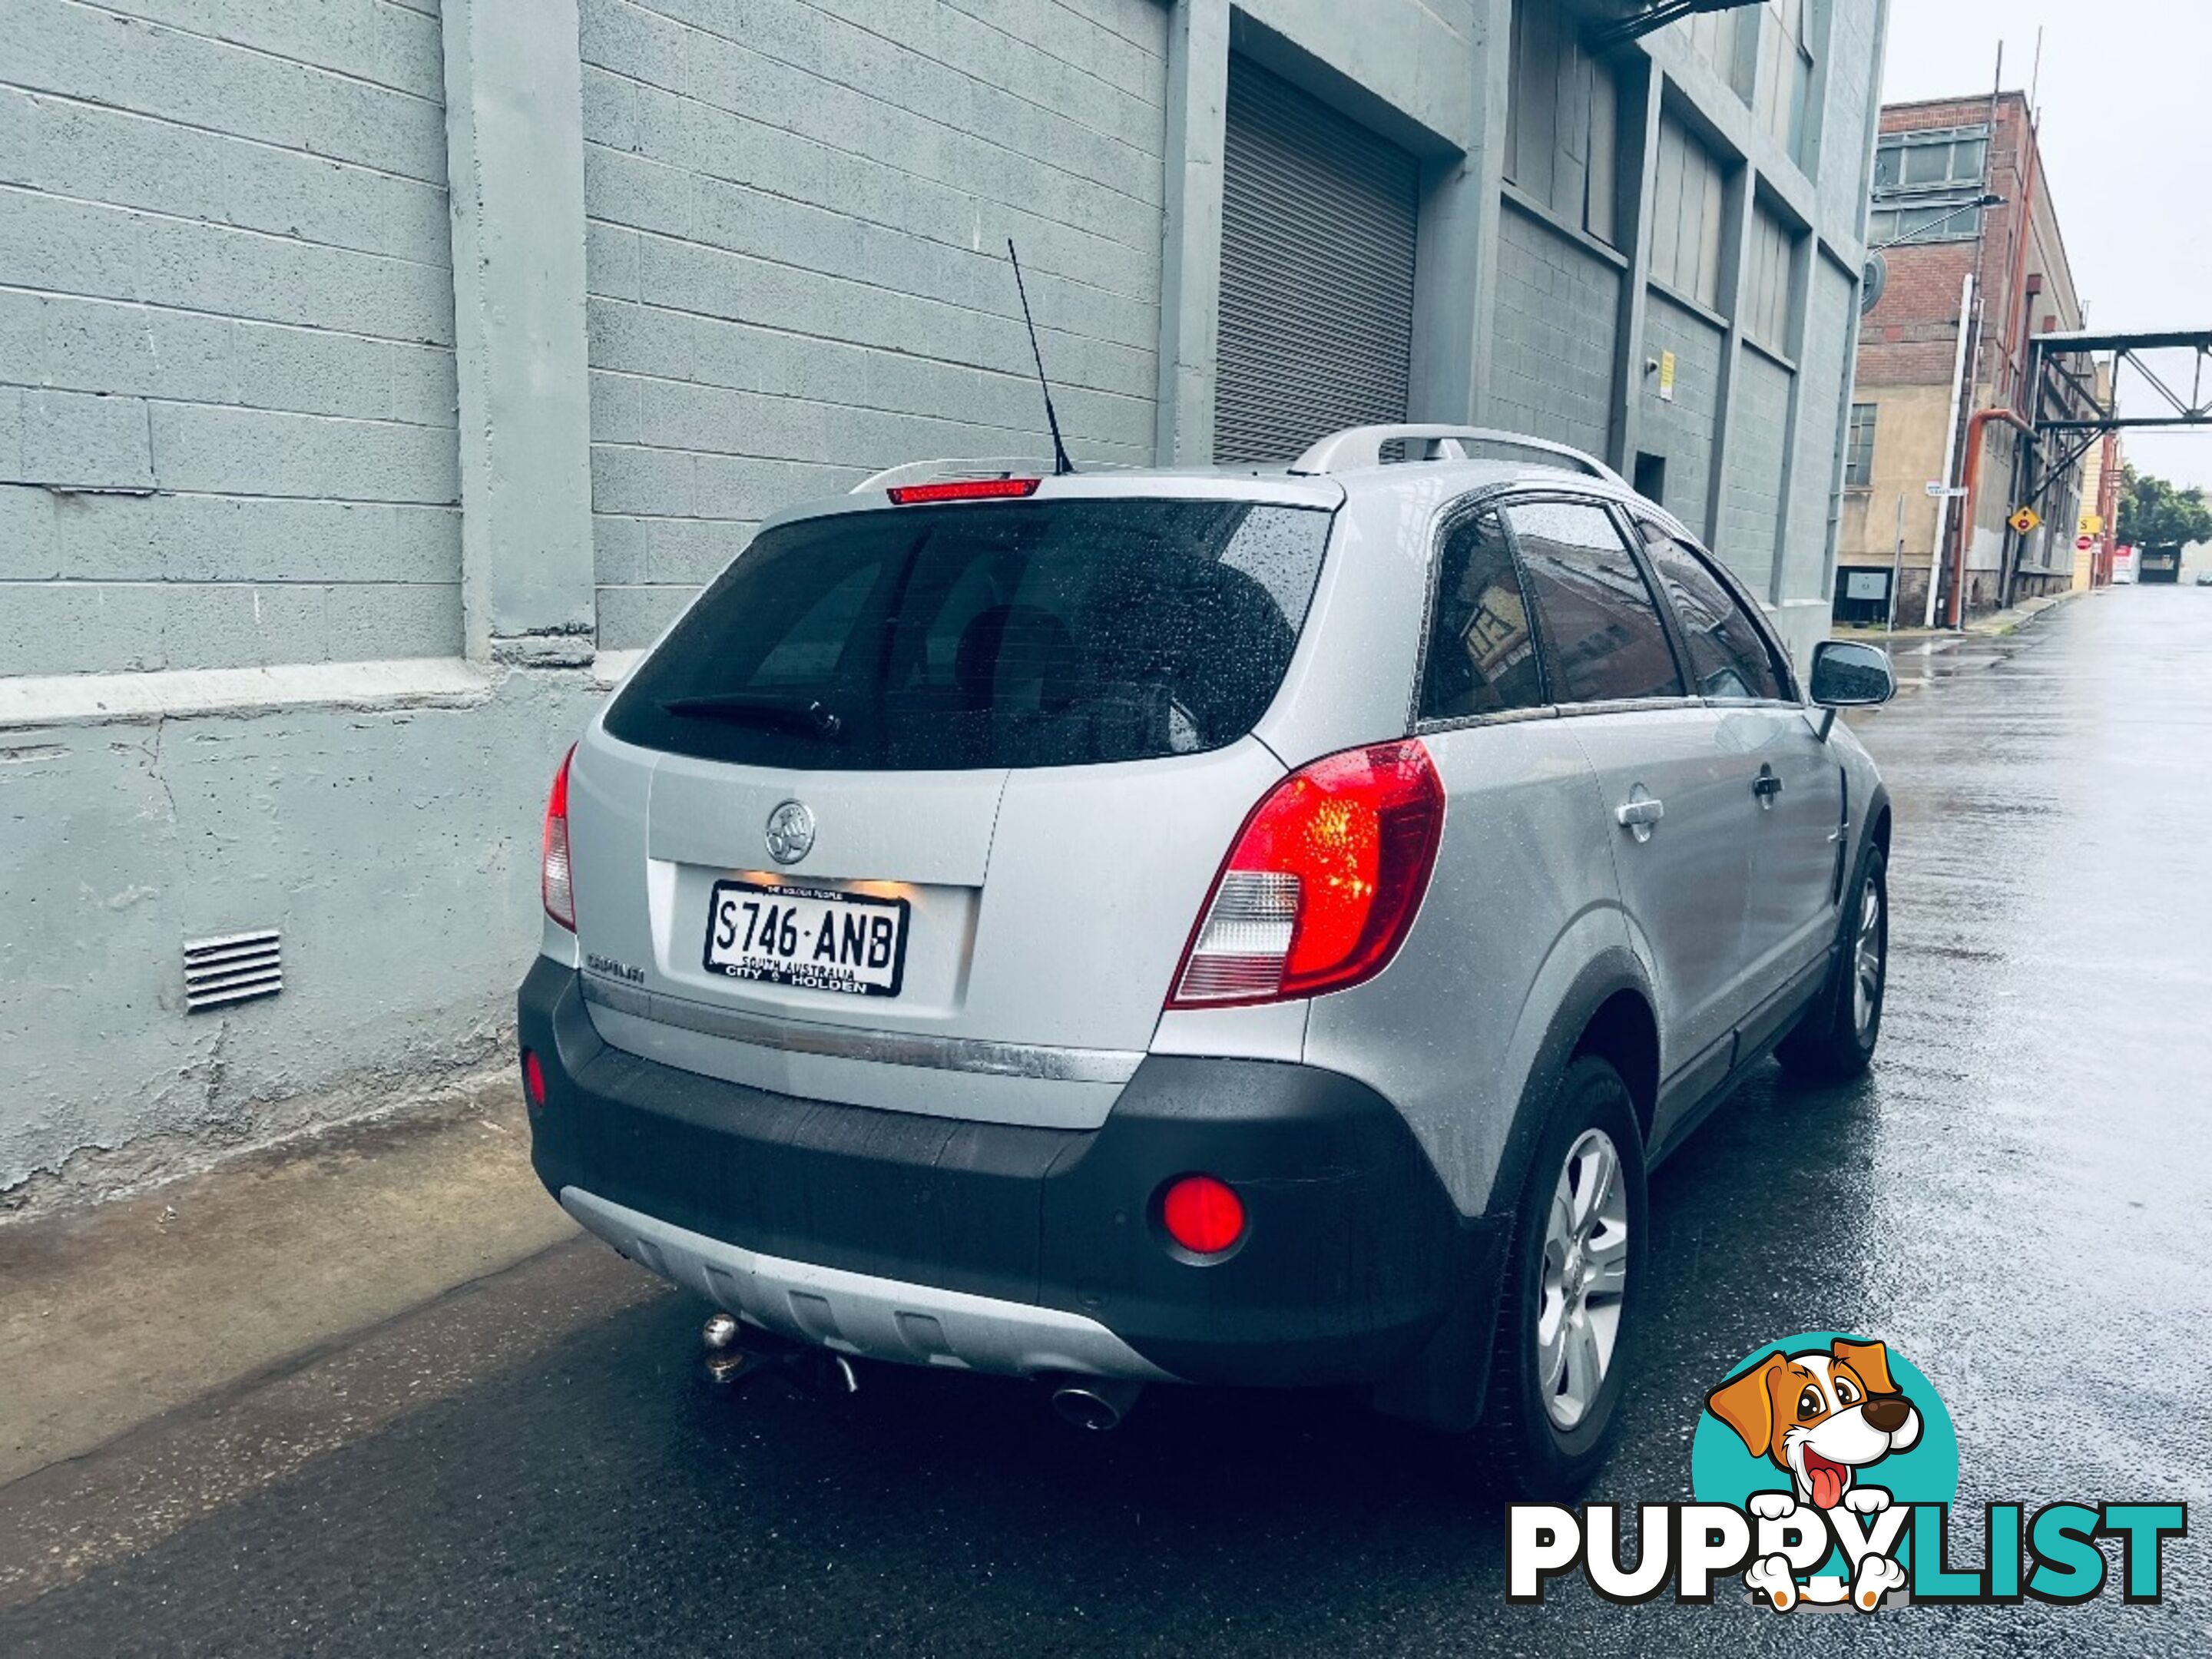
1609	1009
1880	821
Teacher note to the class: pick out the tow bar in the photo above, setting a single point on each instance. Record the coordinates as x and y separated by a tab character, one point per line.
735	1354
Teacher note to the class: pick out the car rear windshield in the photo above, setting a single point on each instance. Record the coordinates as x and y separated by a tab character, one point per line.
1020	634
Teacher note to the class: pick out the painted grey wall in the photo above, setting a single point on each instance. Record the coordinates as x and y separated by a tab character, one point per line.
797	218
395	846
1683	430
513	135
1833	303
226	384
1551	367
1751	506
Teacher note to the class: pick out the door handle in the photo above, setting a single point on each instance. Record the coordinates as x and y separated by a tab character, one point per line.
1640	814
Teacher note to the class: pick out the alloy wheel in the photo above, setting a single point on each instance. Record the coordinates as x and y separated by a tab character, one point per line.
1867	962
1585	1278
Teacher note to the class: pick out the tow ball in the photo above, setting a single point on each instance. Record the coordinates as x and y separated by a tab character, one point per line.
735	1355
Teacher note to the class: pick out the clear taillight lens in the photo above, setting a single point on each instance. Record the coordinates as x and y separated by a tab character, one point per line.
1323	883
559	891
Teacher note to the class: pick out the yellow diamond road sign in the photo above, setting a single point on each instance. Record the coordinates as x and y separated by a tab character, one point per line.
2026	520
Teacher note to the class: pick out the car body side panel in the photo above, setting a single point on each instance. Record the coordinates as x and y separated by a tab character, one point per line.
1351	680
1791	915
1685	886
1266	1031
1523	897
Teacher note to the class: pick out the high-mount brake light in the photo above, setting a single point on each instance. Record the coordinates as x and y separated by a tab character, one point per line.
962	490
1324	882
555	884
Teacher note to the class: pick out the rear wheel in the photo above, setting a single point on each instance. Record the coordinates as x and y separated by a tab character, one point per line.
1835	1041
1573	1274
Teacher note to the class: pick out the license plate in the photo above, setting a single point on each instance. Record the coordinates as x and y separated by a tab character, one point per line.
814	938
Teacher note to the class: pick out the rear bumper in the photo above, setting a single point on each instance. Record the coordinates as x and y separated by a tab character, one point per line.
916	1238
861	1313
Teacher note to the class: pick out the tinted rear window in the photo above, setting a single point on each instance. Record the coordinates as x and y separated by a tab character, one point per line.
1045	634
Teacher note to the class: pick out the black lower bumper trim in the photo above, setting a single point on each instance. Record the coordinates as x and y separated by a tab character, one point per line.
1352	1256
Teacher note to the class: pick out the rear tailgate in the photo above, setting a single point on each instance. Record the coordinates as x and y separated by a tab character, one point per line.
1015	736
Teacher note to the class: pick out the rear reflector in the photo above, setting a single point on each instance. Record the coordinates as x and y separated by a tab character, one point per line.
1323	883
558	890
963	490
1203	1214
533	1078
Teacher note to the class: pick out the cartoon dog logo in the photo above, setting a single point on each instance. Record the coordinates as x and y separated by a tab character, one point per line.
1821	1417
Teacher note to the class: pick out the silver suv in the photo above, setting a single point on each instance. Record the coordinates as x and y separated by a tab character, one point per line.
1240	927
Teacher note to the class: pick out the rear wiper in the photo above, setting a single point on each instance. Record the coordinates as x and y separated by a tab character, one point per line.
804	717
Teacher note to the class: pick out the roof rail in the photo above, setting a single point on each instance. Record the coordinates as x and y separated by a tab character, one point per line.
1362	446
981	466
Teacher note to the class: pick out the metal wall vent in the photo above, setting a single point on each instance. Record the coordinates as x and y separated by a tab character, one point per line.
235	968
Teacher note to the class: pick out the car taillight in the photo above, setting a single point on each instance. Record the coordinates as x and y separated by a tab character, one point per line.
1324	882
559	891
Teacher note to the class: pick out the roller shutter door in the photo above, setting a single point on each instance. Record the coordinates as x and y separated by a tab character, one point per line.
1319	217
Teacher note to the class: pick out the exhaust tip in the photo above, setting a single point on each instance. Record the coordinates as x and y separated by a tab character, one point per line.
1096	1403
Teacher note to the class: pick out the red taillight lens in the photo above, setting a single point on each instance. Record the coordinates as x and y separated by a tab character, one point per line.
1323	883
533	1079
1202	1214
558	888
963	490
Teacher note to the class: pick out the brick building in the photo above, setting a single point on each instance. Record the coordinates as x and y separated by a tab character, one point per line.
2002	271
377	375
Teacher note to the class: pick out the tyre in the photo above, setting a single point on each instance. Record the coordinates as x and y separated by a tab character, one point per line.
1835	1041
1574	1275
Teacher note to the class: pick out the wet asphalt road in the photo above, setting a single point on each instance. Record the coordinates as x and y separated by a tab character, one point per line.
2015	1199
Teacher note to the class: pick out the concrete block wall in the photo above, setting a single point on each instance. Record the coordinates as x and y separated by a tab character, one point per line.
1820	421
796	222
227	388
1683	430
1558	315
1852	73
1751	502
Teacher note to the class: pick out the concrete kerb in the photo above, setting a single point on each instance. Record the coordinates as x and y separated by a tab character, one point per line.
1932	641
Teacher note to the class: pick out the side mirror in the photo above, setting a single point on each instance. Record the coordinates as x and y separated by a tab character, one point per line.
1849	675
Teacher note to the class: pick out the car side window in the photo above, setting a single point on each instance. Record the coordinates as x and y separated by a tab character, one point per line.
1729	654
1482	656
1601	627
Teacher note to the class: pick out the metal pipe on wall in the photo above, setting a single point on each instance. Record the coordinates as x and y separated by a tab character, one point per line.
1935	554
1955	612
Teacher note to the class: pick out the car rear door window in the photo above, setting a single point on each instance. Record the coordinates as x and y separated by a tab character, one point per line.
1602	636
1730	657
1482	655
1002	634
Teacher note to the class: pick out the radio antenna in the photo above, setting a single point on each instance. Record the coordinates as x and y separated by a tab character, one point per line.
1061	464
